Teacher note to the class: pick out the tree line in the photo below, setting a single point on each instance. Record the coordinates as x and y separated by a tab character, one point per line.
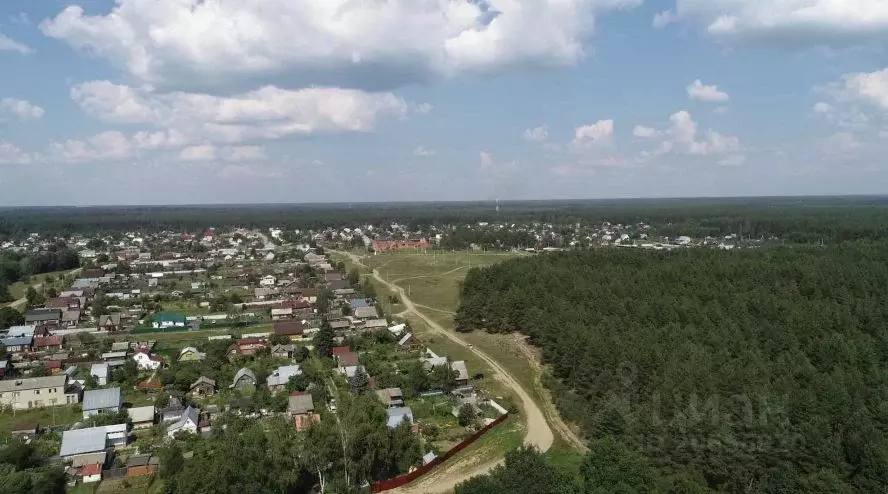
15	266
758	370
801	219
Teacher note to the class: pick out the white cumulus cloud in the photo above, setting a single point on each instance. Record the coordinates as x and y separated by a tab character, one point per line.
644	132
9	44
538	134
871	87
22	108
707	94
683	137
201	152
821	21
10	154
600	131
108	145
266	113
341	42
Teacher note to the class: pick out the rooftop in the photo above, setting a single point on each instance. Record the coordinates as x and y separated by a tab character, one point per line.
89	440
398	415
97	399
283	374
33	383
300	403
141	414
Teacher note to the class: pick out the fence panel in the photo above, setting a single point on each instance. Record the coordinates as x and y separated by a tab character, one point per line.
393	483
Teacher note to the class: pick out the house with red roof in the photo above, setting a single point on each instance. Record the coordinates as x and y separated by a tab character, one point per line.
90	473
246	346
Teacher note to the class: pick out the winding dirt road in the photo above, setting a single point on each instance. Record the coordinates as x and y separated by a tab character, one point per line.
538	432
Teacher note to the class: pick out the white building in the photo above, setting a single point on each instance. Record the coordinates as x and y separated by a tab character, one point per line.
187	423
37	392
146	362
100	373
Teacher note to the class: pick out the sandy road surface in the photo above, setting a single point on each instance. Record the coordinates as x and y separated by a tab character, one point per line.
538	432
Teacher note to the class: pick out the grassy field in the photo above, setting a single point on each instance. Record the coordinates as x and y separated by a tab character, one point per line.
17	289
45	417
431	280
185	308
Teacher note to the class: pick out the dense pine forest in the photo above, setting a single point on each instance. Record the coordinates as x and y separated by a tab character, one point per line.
760	370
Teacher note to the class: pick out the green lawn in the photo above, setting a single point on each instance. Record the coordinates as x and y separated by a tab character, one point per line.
431	279
186	308
17	289
45	417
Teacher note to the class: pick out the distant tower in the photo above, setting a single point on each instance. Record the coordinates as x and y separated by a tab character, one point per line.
497	206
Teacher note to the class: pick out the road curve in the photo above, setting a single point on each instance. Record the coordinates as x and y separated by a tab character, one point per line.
538	433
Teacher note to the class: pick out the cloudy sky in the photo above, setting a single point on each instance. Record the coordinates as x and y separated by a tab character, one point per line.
245	101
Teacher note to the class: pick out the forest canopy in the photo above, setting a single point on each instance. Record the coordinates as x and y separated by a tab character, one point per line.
794	219
758	370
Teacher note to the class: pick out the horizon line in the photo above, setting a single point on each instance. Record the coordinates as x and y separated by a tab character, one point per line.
501	201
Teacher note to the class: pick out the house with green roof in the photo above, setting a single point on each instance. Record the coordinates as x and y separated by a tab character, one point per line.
168	320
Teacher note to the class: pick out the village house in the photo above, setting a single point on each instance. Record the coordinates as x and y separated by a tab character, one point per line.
344	356
70	318
267	281
397	415
296	305
100	373
96	401
300	408
278	379
52	366
109	322
187	423
371	324
280	314
246	346
291	329
283	351
391	397
48	343
114	358
173	411
245	378
88	446
37	392
340	324
204	386
146	361
366	313
263	293
141	417
90	473
191	354
43	316
63	303
17	344
462	373
167	320
141	465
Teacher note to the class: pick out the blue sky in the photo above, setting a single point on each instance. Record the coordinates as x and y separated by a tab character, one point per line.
187	101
